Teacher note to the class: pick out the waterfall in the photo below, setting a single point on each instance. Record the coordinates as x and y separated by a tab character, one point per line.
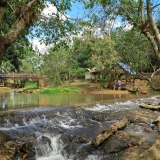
65	133
53	154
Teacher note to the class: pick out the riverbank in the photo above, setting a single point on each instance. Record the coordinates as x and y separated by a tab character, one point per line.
93	88
107	91
82	86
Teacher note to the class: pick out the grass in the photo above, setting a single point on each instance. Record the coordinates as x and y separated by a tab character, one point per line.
30	86
59	90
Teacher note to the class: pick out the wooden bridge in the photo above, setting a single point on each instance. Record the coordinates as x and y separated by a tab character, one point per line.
18	76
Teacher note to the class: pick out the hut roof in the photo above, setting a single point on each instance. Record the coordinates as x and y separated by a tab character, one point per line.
126	68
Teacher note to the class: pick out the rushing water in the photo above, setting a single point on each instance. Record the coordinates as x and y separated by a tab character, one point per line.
67	120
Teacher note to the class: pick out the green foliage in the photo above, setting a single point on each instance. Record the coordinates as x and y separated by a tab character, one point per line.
21	49
103	52
102	14
18	57
56	63
56	25
30	85
81	52
59	90
98	53
48	28
79	72
134	49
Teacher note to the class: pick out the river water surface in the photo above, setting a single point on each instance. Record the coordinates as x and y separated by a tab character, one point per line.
23	100
69	120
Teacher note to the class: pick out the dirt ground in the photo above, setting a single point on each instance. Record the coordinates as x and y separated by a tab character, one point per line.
88	87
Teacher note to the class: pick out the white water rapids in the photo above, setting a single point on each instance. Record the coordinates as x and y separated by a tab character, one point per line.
65	122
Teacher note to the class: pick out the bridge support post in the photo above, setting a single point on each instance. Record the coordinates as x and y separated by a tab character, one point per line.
38	83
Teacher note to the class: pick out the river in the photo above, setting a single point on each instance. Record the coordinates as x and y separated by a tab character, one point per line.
23	100
70	129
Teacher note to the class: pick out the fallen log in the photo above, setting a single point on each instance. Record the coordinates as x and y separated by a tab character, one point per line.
150	106
109	131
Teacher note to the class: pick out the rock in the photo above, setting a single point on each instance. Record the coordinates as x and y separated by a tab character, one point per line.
113	145
157	123
133	153
100	118
13	150
139	120
153	153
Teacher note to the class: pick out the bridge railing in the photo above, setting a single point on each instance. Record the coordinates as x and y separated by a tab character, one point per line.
20	75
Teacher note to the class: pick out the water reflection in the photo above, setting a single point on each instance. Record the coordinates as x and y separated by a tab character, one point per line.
24	100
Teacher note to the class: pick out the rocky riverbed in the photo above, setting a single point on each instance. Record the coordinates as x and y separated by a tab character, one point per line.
66	133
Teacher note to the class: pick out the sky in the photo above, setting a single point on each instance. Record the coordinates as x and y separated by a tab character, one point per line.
77	11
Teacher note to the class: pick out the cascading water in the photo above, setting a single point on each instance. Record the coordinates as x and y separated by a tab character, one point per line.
68	122
52	152
65	133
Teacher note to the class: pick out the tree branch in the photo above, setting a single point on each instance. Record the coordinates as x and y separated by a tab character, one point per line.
129	16
152	24
1	17
155	6
19	25
153	43
155	72
110	131
142	12
10	6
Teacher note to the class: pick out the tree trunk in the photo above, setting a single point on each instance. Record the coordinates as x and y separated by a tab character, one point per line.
21	23
150	106
147	26
109	131
155	42
153	80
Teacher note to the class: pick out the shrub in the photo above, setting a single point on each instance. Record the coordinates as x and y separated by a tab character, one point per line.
59	90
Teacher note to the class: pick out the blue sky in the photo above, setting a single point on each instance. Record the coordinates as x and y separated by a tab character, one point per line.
76	11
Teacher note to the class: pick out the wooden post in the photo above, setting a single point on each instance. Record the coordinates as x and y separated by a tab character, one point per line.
37	83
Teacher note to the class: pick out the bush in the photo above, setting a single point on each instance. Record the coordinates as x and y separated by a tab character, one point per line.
30	86
59	90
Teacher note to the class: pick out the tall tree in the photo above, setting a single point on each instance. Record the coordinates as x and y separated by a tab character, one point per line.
144	18
137	54
101	55
139	13
55	63
102	14
23	16
142	14
19	15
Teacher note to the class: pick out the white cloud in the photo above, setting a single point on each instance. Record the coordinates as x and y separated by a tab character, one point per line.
40	47
127	27
47	12
117	24
51	10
